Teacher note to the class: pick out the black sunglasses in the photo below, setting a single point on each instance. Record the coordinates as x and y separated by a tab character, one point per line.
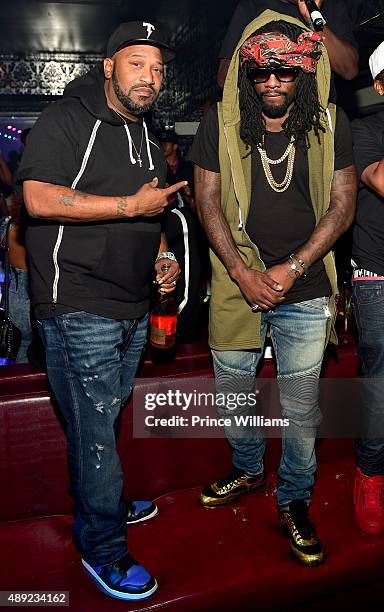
262	75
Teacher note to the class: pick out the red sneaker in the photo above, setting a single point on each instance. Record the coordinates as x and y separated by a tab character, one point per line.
369	503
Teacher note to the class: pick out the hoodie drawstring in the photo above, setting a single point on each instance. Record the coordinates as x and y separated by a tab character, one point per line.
130	145
133	161
151	166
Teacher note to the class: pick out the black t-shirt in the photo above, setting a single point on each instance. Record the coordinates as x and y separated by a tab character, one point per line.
279	223
334	11
368	235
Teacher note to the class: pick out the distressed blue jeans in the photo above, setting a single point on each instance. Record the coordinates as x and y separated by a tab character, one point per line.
91	364
368	308
298	333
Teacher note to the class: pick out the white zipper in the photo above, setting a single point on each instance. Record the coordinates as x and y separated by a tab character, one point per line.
61	227
184	225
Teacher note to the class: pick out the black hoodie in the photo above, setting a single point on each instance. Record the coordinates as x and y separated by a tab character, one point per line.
103	268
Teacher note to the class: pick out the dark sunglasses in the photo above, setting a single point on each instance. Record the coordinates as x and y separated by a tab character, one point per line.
262	75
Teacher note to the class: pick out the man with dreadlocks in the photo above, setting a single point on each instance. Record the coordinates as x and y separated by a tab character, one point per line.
275	188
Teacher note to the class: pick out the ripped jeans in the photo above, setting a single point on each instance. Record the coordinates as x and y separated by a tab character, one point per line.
298	333
91	364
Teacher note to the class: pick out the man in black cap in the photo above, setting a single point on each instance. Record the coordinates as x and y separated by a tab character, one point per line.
94	181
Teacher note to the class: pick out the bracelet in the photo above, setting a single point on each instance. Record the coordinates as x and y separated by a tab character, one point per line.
301	262
166	255
295	269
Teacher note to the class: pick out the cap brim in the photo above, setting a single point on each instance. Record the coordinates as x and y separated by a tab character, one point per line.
168	53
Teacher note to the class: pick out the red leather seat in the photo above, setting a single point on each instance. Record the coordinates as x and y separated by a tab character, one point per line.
229	558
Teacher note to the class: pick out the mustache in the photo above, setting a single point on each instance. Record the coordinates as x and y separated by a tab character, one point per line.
281	93
148	86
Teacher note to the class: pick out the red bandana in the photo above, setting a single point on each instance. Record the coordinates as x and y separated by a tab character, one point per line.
275	50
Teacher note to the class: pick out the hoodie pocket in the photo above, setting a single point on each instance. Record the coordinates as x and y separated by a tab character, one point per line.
82	248
127	263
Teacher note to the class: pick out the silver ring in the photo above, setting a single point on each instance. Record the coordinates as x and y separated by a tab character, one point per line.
173	282
255	307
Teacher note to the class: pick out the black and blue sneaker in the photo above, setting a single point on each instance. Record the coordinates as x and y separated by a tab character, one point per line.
138	511
125	579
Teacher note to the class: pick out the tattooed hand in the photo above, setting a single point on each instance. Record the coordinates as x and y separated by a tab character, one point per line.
149	200
259	288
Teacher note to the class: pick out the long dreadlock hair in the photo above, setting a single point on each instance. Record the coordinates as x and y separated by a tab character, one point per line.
305	113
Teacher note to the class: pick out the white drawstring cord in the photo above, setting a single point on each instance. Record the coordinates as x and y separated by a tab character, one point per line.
133	161
151	166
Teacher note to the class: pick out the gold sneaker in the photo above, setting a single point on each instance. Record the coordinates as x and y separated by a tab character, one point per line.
228	488
304	541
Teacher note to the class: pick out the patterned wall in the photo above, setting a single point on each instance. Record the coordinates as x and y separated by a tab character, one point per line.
190	79
42	74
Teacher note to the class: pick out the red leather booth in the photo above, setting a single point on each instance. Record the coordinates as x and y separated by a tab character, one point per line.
229	558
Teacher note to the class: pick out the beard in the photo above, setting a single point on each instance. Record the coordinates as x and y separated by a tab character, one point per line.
126	100
274	111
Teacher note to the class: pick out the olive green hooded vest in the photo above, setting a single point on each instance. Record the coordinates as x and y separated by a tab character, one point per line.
233	325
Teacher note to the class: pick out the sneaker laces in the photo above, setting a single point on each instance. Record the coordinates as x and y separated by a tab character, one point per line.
230	481
301	525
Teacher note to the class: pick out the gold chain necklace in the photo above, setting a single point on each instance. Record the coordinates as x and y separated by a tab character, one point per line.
267	162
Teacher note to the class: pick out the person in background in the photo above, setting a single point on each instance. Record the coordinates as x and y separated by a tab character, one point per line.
337	35
186	239
5	173
178	167
93	178
368	307
19	299
275	188
5	186
19	292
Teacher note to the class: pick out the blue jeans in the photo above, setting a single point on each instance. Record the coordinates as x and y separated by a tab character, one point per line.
20	310
91	364
368	307
298	333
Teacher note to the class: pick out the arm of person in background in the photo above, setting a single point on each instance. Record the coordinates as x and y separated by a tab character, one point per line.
5	173
240	19
368	148
343	56
335	222
373	177
48	201
256	287
16	236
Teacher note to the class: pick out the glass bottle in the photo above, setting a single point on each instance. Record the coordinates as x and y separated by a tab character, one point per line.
163	321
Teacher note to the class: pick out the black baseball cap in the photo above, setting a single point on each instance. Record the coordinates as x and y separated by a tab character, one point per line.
140	33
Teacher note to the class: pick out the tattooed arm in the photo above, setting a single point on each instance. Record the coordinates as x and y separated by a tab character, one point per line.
256	287
335	222
67	205
338	218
